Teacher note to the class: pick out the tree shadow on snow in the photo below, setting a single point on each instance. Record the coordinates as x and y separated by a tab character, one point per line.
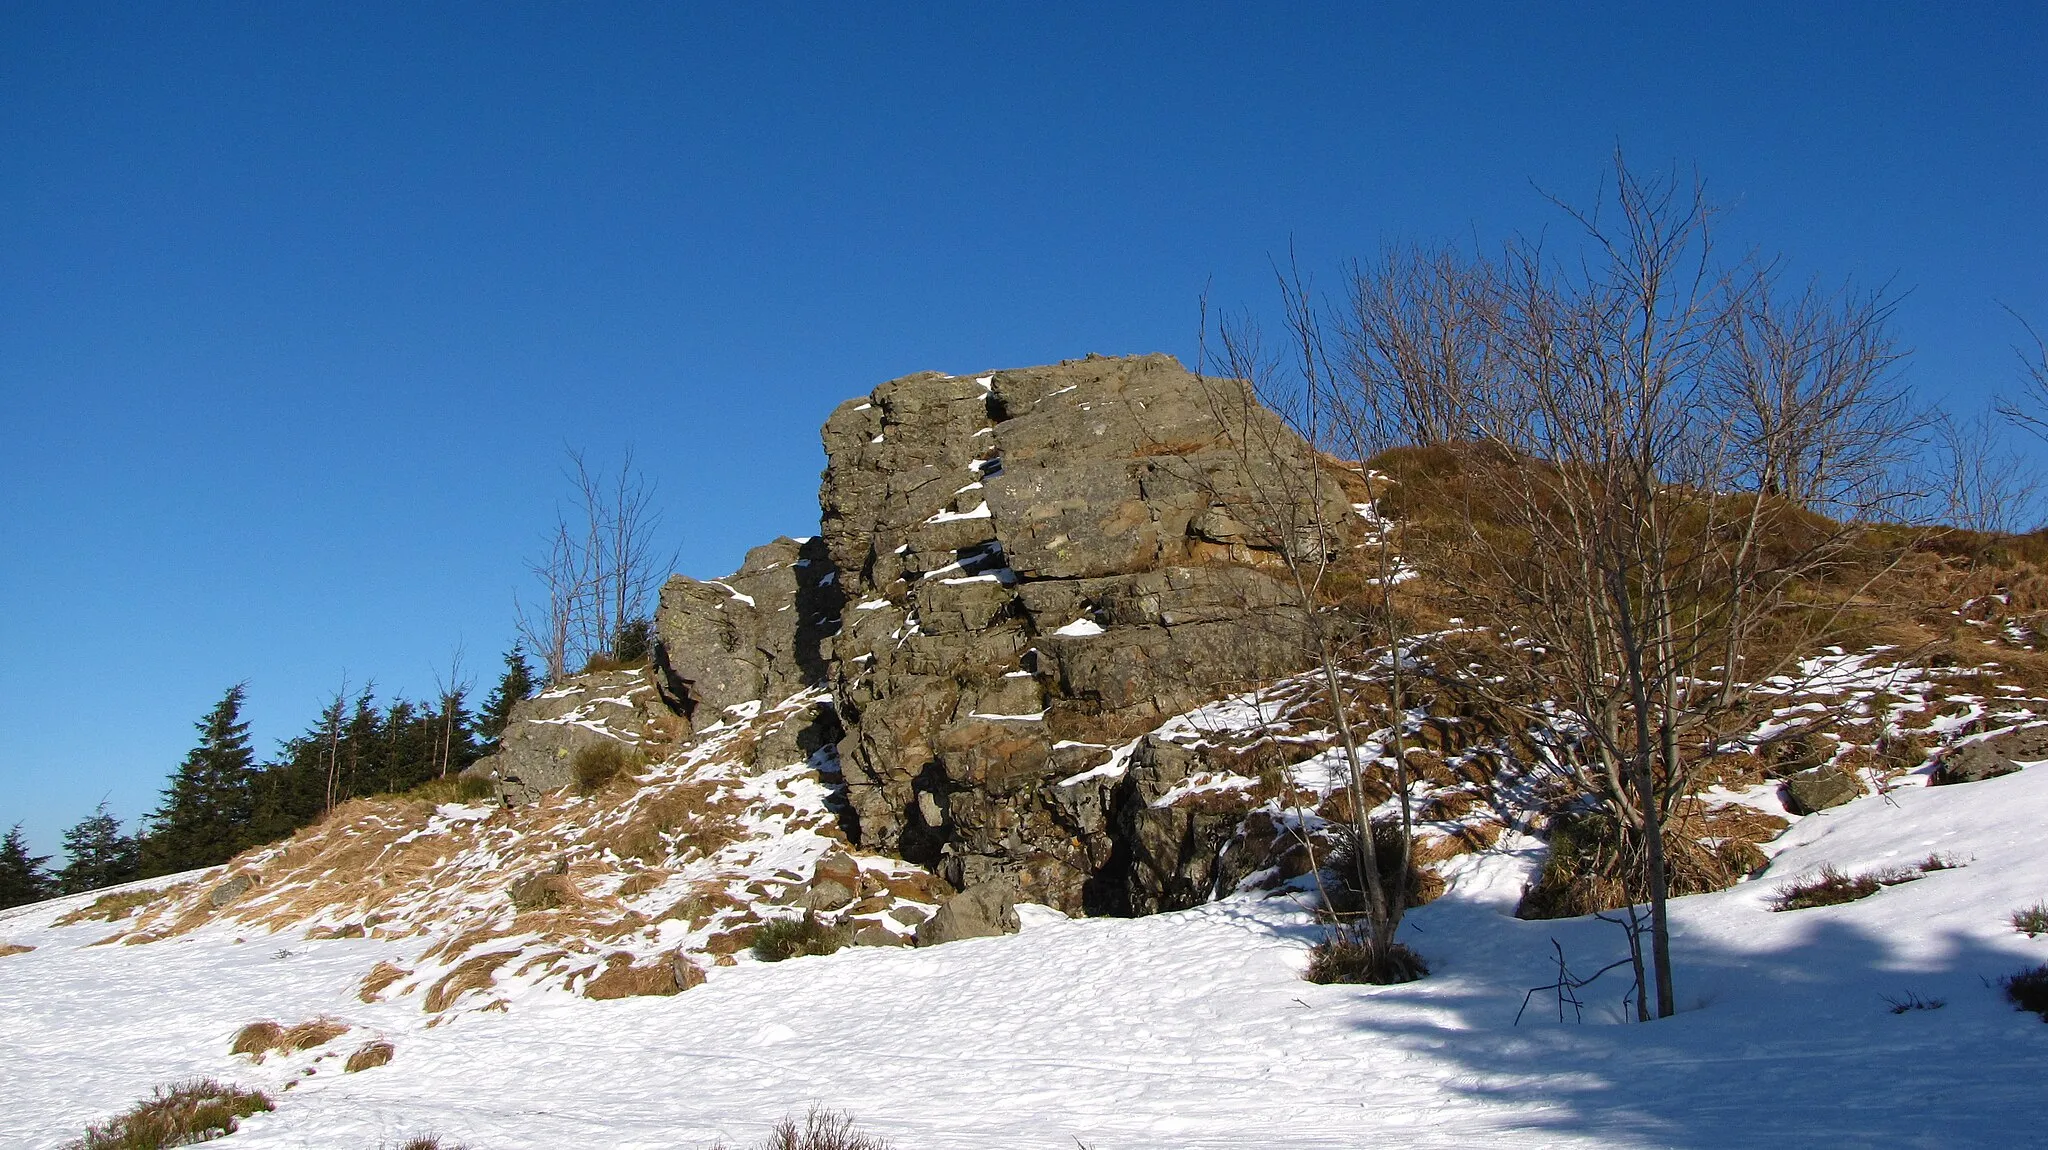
1797	1042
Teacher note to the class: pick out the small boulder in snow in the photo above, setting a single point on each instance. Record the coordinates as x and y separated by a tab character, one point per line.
1989	758
977	912
1819	788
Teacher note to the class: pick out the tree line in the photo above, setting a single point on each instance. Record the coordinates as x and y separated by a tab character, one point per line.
221	801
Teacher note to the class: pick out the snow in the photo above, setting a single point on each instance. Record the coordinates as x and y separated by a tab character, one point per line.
744	598
1081	628
1189	1029
980	511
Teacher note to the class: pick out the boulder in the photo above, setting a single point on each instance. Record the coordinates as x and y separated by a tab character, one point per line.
760	633
543	734
1991	756
230	889
1817	789
977	912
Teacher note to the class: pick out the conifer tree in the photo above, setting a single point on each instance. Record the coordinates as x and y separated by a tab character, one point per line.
516	684
207	808
97	854
23	878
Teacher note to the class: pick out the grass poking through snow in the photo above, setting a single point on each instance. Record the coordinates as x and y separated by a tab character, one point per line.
2031	921
793	937
196	1111
2028	990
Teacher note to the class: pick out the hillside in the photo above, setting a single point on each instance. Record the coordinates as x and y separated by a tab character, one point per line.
1038	691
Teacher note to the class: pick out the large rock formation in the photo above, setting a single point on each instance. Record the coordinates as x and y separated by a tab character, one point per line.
1019	573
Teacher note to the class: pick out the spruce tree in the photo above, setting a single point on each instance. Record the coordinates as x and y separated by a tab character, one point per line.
207	808
23	878
516	684
634	644
97	854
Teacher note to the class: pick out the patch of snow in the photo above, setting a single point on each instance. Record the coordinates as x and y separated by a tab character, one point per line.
1080	628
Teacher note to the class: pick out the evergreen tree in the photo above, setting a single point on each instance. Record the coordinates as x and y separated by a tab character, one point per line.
516	684
23	878
634	644
207	809
97	854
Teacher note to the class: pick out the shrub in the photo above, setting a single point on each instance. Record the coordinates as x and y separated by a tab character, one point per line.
596	765
196	1111
793	937
429	1142
1594	865
1348	898
1828	888
1347	955
368	1056
2028	990
822	1130
2032	921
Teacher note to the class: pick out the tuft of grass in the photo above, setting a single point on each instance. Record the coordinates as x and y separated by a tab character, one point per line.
379	979
117	906
368	1056
1910	1002
596	765
429	1142
1828	888
256	1039
1596	864
9	949
1348	955
822	1130
2028	990
794	937
2031	921
196	1111
1939	861
307	1035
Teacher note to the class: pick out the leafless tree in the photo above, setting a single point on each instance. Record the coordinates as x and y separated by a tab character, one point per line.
1295	503
1980	482
452	688
1651	431
1416	341
600	568
2030	411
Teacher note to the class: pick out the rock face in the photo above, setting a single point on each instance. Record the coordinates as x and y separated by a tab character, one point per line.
1016	575
1988	758
1039	564
543	733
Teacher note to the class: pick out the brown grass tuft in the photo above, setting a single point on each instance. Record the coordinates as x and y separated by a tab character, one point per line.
368	1056
307	1035
115	907
256	1039
621	979
196	1111
12	948
473	974
380	977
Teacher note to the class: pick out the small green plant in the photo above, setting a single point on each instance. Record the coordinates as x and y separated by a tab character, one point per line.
1348	955
794	937
2032	921
596	765
2028	990
1828	888
196	1111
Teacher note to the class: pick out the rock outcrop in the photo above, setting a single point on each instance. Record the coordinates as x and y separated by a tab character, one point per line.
1991	756
543	734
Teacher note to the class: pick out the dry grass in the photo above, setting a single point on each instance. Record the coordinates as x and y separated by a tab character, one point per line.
196	1111
256	1039
13	948
115	907
2028	990
2031	921
472	974
796	937
821	1130
1828	888
620	978
1347	955
260	1038
429	1142
380	978
368	1056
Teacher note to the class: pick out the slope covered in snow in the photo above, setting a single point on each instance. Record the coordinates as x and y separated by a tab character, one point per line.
1190	1029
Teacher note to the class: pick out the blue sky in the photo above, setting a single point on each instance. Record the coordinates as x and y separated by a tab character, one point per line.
301	303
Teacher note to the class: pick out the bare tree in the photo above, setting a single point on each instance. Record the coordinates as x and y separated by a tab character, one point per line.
2030	411
1980	482
452	689
1415	340
1294	503
1651	428
599	570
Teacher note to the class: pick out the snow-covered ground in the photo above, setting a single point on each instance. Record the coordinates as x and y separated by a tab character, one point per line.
1181	1030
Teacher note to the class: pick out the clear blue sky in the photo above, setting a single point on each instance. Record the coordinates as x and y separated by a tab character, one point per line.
300	303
